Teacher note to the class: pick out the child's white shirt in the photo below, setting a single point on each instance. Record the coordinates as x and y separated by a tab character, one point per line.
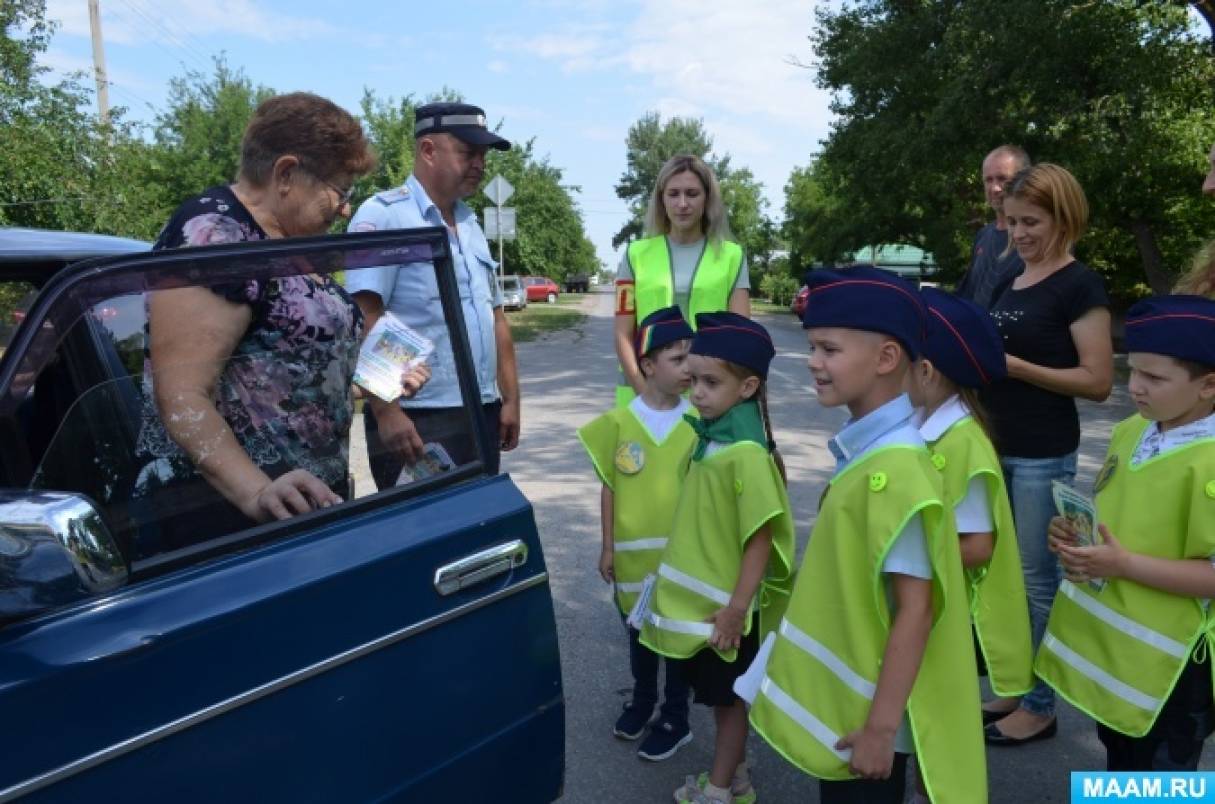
660	423
1154	443
973	513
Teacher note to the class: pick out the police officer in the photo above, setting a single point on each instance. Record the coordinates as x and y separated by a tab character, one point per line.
450	143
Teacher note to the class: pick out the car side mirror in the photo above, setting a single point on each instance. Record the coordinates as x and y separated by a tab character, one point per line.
54	550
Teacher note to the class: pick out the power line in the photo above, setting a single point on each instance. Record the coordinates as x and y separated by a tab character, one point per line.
184	48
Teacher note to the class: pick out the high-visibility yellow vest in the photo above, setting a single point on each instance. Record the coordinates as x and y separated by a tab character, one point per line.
726	497
654	285
998	605
824	667
645	475
1117	653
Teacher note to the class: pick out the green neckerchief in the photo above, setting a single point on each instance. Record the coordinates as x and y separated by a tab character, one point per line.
740	423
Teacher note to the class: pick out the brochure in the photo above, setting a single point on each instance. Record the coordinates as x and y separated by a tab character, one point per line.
1081	512
434	461
390	350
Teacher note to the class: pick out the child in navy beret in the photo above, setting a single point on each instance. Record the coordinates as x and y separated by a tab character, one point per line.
1144	624
880	591
963	353
638	451
730	553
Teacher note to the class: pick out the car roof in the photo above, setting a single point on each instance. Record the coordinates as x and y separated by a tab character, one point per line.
37	254
23	245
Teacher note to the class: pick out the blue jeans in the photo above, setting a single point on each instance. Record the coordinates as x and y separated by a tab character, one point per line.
1029	481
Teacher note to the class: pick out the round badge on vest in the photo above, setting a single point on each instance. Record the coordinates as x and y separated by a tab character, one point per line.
630	458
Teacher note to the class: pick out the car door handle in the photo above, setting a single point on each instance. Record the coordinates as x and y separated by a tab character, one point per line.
481	566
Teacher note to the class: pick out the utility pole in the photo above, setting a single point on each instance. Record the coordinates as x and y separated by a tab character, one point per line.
103	84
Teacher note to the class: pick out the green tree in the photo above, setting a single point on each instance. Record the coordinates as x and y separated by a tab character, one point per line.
1117	91
550	240
651	142
198	136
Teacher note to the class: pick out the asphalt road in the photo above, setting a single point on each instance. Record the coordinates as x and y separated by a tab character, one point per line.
567	379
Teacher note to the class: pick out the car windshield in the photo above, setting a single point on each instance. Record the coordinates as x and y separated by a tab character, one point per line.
510	283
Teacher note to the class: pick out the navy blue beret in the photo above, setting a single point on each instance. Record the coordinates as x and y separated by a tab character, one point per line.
660	328
734	338
1176	326
963	341
863	297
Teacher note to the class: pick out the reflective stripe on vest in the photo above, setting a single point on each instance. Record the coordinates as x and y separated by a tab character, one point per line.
828	659
654	286
1116	653
643	502
655	543
800	715
718	596
822	674
1119	688
1126	625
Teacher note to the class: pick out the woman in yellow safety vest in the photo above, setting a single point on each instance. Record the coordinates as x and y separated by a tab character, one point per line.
686	258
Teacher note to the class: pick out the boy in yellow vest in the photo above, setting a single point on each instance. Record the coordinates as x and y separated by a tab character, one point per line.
1134	652
873	660
638	451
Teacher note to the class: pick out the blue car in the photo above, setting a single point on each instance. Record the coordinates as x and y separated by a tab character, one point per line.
400	646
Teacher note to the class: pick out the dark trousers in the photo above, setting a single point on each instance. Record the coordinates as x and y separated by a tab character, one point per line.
868	791
644	662
1175	740
447	426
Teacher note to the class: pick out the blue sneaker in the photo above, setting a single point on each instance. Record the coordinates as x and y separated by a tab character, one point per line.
632	721
664	739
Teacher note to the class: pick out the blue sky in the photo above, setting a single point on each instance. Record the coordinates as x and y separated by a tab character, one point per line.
573	74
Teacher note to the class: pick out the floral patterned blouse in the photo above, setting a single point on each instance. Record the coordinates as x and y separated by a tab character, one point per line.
285	391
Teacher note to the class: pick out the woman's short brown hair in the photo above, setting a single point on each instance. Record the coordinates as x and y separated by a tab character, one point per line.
1054	189
326	138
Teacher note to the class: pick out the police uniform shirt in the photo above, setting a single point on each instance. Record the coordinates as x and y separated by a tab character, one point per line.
411	293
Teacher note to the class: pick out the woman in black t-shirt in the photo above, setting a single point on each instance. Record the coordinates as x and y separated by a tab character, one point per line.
1055	321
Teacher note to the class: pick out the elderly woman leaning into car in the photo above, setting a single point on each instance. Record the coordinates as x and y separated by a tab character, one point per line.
247	383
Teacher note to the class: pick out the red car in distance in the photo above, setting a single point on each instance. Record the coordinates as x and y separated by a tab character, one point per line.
799	301
540	288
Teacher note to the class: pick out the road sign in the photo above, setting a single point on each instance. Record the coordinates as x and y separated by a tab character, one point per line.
500	221
498	190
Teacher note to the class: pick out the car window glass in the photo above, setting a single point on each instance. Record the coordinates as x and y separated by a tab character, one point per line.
15	297
170	435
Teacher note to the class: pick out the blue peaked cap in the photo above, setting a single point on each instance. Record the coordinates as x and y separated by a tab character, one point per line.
1176	326
735	338
660	328
864	297
963	341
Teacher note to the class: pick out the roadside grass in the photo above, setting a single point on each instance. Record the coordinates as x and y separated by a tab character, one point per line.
568	298
528	324
762	306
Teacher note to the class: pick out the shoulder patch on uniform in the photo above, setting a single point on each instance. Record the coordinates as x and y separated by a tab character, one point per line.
392	196
363	226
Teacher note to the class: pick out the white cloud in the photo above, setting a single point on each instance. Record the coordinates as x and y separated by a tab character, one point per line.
178	25
576	47
728	62
497	66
